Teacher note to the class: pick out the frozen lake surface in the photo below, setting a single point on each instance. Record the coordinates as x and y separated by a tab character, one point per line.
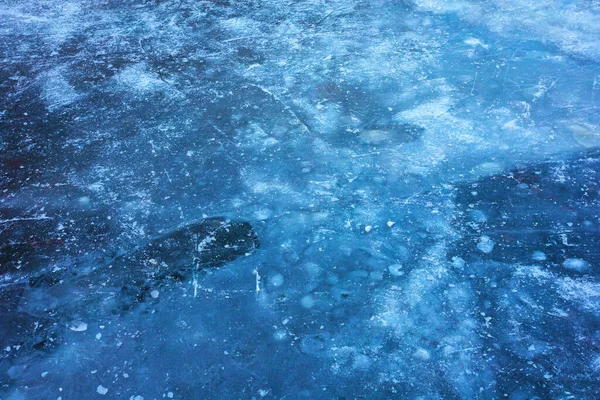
299	199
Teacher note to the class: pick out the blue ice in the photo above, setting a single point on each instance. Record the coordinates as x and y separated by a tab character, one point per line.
422	176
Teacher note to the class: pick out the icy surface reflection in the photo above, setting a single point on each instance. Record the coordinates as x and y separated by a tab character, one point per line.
381	199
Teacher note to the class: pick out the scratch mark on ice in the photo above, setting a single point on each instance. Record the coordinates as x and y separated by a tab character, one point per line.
195	284
41	217
255	272
284	105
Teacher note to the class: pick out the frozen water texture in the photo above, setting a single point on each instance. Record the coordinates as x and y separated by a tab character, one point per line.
422	176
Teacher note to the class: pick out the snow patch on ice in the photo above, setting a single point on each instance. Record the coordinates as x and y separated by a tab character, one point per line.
583	292
138	79
57	91
241	25
485	244
576	264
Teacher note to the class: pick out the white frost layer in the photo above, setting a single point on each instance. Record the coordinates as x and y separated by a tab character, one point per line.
276	280
136	78
308	301
78	326
101	390
396	270
57	91
572	26
576	264
485	244
583	292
